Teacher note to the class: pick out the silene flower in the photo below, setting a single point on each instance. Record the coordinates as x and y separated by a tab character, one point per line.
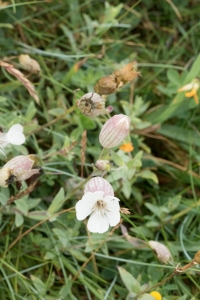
99	202
14	136
191	89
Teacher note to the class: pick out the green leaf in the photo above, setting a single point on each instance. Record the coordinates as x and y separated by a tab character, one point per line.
174	202
148	175
77	254
22	205
159	211
3	199
62	236
166	112
19	220
180	134
38	284
146	297
31	111
174	77
117	159
58	201
87	123
56	111
37	215
129	281
126	189
32	203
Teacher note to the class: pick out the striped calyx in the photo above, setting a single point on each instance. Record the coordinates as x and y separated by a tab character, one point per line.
97	184
114	131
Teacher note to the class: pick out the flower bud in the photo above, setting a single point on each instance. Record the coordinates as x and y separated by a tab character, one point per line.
18	168
103	165
92	105
114	131
97	184
162	252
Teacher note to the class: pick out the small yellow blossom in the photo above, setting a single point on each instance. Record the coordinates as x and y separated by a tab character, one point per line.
156	295
191	89
128	147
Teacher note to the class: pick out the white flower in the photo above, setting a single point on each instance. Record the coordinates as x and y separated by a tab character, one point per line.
104	211
14	136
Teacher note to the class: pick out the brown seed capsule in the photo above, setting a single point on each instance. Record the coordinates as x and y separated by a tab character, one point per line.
126	74
106	85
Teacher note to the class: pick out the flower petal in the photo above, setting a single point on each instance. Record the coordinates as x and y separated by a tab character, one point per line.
112	210
84	207
113	217
97	223
82	210
15	135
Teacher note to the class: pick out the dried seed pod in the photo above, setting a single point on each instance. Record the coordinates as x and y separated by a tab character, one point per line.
126	74
106	85
92	105
114	131
110	84
99	184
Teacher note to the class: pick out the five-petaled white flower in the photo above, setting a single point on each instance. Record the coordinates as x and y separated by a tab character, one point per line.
14	136
99	201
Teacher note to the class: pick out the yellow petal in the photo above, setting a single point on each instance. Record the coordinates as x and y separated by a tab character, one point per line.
190	94
156	295
128	147
196	99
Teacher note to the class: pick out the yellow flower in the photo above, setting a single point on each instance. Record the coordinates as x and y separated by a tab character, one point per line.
128	147
191	89
156	295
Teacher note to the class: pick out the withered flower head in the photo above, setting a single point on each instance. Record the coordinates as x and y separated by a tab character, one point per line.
92	105
106	85
29	64
18	168
110	84
162	252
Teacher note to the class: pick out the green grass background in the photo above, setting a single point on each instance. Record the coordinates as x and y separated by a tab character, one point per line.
164	38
